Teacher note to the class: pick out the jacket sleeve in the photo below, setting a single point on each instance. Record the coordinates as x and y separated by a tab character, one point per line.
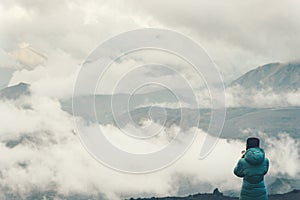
239	169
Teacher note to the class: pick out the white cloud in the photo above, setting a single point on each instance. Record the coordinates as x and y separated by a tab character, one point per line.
27	56
75	27
7	61
50	156
55	78
278	149
235	39
237	96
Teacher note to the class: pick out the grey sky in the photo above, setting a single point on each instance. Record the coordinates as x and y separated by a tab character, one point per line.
238	35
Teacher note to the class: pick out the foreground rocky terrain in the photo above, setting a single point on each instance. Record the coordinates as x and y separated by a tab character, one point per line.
216	195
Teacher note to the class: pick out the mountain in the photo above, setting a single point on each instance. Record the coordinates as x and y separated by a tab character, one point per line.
121	102
239	123
15	91
281	185
242	122
216	195
278	76
269	120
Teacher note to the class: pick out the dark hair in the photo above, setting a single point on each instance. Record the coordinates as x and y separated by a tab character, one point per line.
252	142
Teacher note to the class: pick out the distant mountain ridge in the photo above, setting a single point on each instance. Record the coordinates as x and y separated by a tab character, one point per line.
269	120
277	76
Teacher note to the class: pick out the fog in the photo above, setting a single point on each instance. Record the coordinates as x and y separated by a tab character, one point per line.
43	152
44	43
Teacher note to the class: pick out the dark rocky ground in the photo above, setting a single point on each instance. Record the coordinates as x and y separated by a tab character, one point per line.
216	195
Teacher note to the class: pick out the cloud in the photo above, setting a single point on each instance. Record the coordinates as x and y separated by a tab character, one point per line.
37	141
237	96
7	61
236	40
27	56
55	78
45	154
280	147
138	69
74	27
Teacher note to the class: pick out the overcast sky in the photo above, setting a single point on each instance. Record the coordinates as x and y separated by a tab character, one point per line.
43	43
238	35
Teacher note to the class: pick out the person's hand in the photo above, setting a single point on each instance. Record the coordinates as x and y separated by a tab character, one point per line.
243	153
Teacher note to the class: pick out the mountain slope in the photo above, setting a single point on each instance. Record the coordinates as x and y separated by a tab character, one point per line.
278	76
15	91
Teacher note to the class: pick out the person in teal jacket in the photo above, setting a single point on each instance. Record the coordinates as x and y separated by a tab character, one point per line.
252	167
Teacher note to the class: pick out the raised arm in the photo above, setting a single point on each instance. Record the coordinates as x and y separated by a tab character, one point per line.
240	167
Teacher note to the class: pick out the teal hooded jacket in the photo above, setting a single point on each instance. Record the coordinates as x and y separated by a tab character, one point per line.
252	168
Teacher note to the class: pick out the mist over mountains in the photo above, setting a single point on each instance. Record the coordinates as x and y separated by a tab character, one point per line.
241	121
58	113
276	124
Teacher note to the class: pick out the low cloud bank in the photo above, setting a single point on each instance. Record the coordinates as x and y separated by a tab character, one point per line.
238	96
40	151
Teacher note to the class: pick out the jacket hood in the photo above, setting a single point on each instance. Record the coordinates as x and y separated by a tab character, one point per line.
255	156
